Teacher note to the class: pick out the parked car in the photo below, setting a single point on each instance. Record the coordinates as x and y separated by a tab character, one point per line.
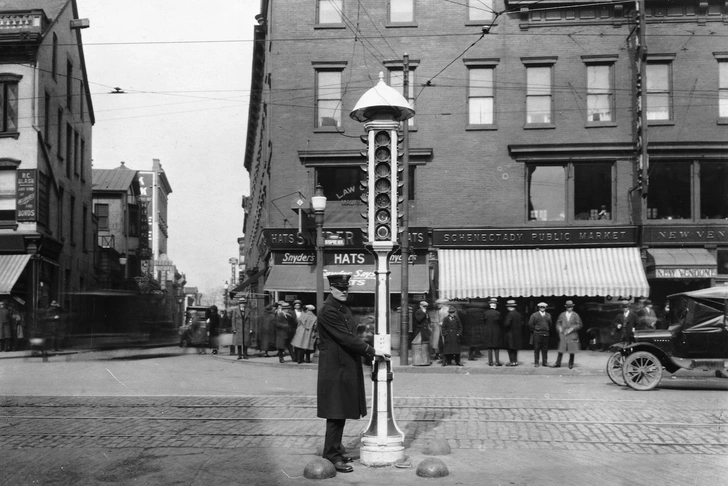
697	338
195	323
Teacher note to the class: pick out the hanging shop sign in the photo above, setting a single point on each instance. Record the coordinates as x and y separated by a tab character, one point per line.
363	257
291	238
26	195
535	237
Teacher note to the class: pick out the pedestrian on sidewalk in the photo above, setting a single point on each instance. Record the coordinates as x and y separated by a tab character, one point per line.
283	331
540	325
340	389
213	326
567	326
451	332
6	325
242	329
474	331
421	331
441	310
304	340
493	334
268	330
513	325
625	323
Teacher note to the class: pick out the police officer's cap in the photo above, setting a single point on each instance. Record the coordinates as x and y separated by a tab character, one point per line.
339	281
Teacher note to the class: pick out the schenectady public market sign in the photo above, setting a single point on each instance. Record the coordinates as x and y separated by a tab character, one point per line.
511	237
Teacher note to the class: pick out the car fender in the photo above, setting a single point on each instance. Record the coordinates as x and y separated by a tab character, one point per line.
667	362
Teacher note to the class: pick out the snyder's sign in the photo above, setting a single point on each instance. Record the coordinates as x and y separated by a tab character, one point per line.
684	273
511	237
294	257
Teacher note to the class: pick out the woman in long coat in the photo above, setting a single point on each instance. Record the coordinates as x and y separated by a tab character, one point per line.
304	340
493	337
450	333
513	326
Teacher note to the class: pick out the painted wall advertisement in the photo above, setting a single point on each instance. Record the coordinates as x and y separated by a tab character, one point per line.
26	191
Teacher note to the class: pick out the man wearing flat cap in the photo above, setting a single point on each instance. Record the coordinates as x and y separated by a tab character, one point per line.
340	390
540	325
625	323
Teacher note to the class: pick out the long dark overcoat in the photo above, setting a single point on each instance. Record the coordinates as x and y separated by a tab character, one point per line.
241	328
340	390
493	336
513	325
450	333
282	330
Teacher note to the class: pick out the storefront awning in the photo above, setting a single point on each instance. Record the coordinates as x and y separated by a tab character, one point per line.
681	263
302	278
246	283
533	273
11	266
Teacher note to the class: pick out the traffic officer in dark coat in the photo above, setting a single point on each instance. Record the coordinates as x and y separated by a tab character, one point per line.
493	332
513	325
625	323
340	390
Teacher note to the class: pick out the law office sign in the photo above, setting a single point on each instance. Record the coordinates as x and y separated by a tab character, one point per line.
26	195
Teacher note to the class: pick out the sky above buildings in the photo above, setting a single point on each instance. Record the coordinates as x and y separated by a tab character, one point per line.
184	69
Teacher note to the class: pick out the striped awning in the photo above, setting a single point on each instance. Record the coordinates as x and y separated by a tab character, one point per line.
534	273
11	266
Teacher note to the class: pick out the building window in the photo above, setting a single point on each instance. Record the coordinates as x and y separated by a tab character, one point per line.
396	81
81	91
401	11
481	96
133	220
9	103
72	219
69	86
659	91
554	195
102	213
480	11
713	190
82	158
61	202
670	191
723	89
600	92
69	150
47	119
59	134
7	194
538	95
329	11
75	153
54	62
328	99
84	227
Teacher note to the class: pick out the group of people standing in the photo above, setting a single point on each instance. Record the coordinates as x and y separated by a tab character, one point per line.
291	330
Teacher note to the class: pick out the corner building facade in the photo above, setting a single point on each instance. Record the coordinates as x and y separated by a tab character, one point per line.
533	172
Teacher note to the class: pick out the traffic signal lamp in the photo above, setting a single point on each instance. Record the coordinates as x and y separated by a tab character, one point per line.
382	194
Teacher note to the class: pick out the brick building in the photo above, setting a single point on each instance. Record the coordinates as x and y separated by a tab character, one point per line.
533	174
47	246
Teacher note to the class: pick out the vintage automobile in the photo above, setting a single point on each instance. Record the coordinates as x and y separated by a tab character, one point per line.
194	327
696	339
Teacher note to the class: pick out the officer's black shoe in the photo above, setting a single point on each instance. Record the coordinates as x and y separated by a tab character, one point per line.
342	467
347	459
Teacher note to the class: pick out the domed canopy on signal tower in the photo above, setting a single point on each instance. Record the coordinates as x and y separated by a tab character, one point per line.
382	100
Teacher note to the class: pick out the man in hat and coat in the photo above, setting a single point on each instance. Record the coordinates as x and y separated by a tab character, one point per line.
513	325
452	330
540	325
625	323
283	330
493	337
340	390
441	311
304	341
567	326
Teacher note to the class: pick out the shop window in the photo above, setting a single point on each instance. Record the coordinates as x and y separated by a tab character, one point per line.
722	262
329	11
670	191
723	89
9	104
396	81
576	191
600	93
7	195
539	103
401	11
659	91
714	190
328	99
102	213
480	11
481	96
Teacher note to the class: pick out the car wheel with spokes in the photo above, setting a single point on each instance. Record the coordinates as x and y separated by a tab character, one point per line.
614	368
642	371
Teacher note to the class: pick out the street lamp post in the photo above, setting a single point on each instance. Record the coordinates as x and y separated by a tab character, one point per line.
381	109
318	203
225	298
